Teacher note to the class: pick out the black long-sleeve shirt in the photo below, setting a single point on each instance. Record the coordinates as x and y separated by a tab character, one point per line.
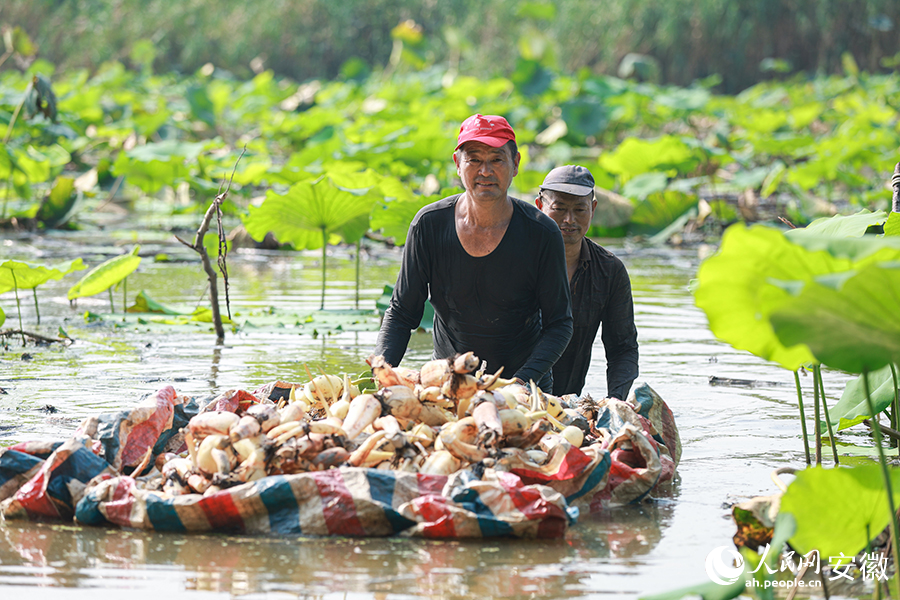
601	293
511	307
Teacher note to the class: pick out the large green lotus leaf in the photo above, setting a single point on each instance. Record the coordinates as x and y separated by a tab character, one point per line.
861	251
152	175
105	275
841	225
641	186
892	226
165	151
25	275
634	156
852	408
848	320
2	316
393	217
59	205
732	289
355	181
584	116
660	210
391	187
684	98
143	303
298	217
834	508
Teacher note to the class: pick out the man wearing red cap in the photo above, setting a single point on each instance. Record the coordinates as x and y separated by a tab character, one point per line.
493	266
599	285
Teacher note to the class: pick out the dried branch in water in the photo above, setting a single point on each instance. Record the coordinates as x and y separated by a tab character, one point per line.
34	336
197	246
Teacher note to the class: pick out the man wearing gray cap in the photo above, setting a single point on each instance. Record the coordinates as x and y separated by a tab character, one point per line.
599	285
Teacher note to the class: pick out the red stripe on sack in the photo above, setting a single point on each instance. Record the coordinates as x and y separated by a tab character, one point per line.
528	500
118	510
618	474
245	400
145	433
571	466
437	517
338	507
221	511
430	484
34	498
552	527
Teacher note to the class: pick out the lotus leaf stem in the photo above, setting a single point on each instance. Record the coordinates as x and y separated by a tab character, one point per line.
112	306
37	310
885	473
358	248
818	419
818	373
802	417
18	303
324	248
896	403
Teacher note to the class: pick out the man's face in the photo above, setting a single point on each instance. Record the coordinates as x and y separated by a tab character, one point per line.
572	213
486	172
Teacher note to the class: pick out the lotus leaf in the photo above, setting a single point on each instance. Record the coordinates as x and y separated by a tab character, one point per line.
105	275
59	205
835	508
842	226
645	184
28	275
852	408
634	156
300	216
732	290
848	320
660	210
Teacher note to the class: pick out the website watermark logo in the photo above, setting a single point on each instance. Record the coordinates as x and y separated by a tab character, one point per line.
724	565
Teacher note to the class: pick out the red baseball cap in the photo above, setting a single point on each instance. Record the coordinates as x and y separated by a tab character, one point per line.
488	129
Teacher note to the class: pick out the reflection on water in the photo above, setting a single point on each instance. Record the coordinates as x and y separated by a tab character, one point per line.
732	438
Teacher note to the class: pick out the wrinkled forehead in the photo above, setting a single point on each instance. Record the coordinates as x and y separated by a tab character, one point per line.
564	200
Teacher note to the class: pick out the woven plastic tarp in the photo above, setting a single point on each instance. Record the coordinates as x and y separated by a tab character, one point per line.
95	477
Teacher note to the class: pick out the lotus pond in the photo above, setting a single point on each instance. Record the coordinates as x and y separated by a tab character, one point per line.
733	435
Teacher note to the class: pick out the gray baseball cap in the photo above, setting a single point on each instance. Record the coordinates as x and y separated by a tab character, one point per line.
569	179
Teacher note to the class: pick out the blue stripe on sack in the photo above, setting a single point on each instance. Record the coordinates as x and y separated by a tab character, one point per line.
593	479
88	510
82	465
489	524
648	490
108	433
643	399
162	514
468	498
381	489
278	497
14	463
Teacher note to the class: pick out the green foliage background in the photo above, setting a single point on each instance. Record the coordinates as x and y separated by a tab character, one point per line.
686	39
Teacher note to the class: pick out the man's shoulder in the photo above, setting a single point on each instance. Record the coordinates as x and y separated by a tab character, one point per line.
434	210
601	256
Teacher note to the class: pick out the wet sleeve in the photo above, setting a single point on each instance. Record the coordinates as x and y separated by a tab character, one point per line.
408	300
619	336
556	310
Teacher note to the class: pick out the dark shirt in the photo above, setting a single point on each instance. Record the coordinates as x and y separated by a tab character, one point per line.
601	293
491	305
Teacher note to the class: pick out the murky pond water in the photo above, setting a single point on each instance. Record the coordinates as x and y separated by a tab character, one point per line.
733	437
